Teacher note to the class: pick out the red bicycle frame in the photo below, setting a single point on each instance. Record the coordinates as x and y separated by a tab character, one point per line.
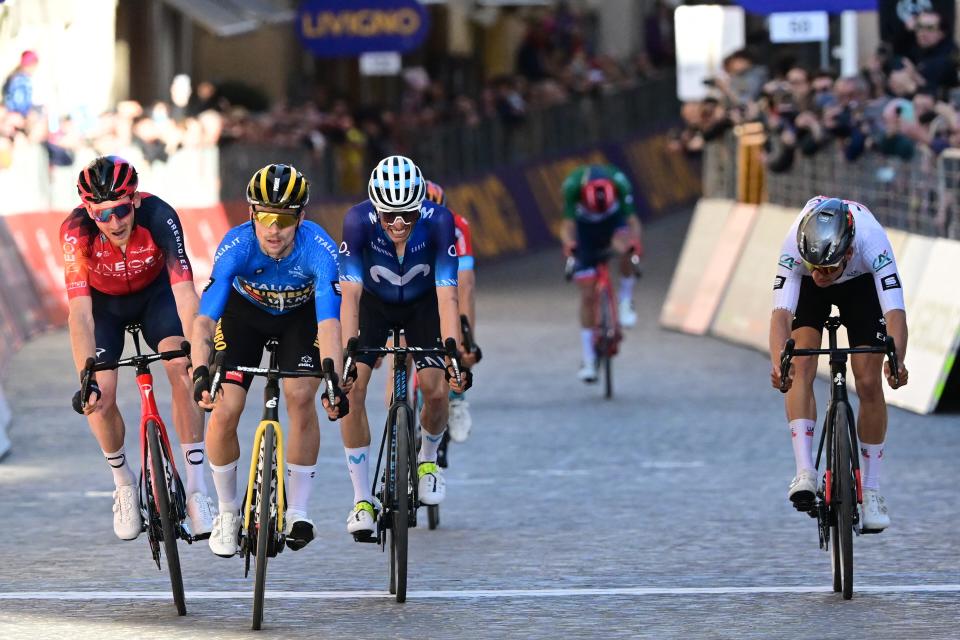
149	411
603	288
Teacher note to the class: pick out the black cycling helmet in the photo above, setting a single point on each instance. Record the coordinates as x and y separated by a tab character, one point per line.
825	233
279	186
107	178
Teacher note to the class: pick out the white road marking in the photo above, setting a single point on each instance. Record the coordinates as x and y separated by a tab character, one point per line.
467	594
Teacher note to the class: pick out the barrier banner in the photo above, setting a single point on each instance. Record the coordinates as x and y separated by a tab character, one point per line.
332	28
21	312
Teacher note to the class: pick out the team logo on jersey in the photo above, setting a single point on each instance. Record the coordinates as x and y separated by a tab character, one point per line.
452	251
882	260
298	272
378	271
343	248
787	261
891	281
335	284
778	282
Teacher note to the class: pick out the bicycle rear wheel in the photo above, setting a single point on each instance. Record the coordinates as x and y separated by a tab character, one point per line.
604	347
265	524
844	501
398	531
164	502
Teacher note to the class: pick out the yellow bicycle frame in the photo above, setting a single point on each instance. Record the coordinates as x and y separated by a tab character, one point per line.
257	441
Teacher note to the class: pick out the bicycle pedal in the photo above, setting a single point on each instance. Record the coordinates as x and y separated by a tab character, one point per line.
870	531
365	536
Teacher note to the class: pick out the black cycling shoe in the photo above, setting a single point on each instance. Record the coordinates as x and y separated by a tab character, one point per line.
301	534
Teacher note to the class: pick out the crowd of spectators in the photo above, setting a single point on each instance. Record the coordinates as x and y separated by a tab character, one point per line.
557	61
899	105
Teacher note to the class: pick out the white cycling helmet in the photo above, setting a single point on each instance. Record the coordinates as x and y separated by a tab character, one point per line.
396	184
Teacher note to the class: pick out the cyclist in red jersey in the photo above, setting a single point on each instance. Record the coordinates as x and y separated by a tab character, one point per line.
125	262
459	421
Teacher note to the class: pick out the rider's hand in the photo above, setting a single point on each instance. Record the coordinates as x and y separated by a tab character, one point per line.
904	375
91	403
775	377
201	387
468	359
466	378
568	248
341	405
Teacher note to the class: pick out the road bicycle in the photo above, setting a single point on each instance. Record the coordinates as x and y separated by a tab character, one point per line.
162	497
396	487
264	506
835	503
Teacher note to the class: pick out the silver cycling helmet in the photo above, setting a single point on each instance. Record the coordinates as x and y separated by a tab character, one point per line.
825	233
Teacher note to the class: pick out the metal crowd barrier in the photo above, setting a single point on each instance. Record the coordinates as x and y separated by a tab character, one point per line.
918	195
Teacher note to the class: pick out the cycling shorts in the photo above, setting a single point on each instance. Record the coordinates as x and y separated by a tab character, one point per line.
420	321
592	241
244	328
153	307
857	301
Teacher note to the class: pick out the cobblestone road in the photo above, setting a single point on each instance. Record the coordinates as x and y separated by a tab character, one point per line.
660	514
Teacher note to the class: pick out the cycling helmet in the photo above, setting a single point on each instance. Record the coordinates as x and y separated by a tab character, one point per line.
107	178
279	186
825	233
598	195
396	184
436	194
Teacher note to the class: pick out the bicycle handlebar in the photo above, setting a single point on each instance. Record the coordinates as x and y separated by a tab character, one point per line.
449	350
570	266
790	351
91	366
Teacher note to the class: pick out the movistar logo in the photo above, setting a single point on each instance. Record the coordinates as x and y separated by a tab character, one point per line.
358	459
377	272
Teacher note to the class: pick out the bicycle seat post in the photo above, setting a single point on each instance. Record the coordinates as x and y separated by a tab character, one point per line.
832	324
134	330
271	347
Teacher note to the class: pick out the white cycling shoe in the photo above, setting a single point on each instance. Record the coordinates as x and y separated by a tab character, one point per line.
362	520
588	373
127	519
200	513
874	516
459	421
431	487
225	534
803	489
628	317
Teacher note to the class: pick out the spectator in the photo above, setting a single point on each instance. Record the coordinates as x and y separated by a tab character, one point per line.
18	88
935	55
658	35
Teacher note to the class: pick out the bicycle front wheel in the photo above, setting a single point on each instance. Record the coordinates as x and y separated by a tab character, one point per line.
605	346
400	521
164	504
265	524
844	502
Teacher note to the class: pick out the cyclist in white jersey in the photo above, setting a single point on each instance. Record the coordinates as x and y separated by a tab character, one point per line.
836	253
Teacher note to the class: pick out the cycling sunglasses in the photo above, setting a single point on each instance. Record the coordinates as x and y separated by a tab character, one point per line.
282	220
825	269
390	218
104	215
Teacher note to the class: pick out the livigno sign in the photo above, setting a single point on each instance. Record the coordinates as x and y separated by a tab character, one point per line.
331	28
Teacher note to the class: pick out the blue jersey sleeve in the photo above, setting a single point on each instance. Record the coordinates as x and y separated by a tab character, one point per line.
351	249
325	269
231	253
445	240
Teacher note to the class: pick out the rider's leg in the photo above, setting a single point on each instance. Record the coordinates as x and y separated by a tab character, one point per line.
304	440
223	447
106	423
621	242
588	302
801	405
355	432
434	388
187	416
872	421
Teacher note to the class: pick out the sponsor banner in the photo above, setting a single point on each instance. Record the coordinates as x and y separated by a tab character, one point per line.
727	247
709	219
37	237
933	319
5	417
744	314
21	312
333	28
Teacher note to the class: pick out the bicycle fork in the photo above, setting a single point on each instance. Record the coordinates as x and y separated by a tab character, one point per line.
256	463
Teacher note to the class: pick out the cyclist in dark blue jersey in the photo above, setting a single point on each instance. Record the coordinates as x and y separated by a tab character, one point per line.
275	276
398	269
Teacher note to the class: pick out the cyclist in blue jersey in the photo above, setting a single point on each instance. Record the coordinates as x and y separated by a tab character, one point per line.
274	276
398	269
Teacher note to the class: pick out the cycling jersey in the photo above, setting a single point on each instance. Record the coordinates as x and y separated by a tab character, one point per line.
872	254
156	242
368	256
620	208
276	286
464	242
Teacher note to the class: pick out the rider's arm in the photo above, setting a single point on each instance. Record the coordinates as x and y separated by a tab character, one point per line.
185	295
351	273
896	320
327	296
786	294
233	251
167	232
445	278
350	310
80	321
466	279
571	197
878	254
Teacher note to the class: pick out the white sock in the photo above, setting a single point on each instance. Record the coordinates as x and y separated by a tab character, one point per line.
299	483
801	436
358	464
871	455
122	474
429	444
194	455
589	356
626	288
225	480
